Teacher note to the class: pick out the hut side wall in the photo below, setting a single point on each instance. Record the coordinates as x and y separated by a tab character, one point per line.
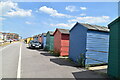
47	41
39	39
35	38
57	42
43	41
97	47
65	45
114	50
52	43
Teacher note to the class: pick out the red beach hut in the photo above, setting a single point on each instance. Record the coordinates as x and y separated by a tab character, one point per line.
39	38
61	41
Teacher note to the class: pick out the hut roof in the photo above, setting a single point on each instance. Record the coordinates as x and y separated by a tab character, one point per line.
44	34
39	35
94	27
118	19
51	33
63	31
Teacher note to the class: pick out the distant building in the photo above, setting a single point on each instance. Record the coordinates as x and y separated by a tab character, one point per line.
10	36
61	41
1	36
89	41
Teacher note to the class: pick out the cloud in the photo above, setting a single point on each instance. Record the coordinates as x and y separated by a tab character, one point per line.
5	31
1	18
27	22
71	8
9	8
20	12
52	12
82	14
62	25
83	8
91	19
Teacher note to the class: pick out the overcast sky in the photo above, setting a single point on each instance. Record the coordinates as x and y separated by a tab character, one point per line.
31	18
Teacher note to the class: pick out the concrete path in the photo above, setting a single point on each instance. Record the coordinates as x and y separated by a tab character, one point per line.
34	63
10	56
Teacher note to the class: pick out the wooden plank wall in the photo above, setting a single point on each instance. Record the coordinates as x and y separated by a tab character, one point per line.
97	47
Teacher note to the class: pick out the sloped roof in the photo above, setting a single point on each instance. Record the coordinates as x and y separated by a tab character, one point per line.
35	36
113	22
64	31
51	32
39	34
94	27
44	34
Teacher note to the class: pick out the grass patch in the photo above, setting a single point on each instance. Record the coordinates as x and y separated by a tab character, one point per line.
66	56
4	44
54	54
7	43
70	60
94	65
75	63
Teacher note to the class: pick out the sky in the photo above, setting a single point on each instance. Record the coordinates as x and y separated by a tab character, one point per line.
31	18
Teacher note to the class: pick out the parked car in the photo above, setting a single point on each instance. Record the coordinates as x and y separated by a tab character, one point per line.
34	44
1	41
15	40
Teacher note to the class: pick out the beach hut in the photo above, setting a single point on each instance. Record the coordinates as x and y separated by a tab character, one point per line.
61	41
114	49
35	38
43	37
88	41
39	38
49	41
29	39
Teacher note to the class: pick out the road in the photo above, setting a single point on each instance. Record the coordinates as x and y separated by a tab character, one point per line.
20	62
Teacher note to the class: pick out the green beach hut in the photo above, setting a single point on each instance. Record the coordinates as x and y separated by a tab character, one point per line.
114	49
49	41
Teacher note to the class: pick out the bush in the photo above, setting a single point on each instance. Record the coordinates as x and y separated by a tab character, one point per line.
54	53
81	60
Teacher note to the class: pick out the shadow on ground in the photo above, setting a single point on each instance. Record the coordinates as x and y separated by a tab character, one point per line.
101	70
90	74
38	49
38	78
82	74
47	54
64	62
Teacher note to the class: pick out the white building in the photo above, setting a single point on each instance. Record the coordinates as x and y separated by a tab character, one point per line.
1	35
1	38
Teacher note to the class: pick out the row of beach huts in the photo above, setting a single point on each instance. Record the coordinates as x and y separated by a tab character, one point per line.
80	42
84	42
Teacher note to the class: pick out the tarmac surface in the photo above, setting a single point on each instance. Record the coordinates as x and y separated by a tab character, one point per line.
18	61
